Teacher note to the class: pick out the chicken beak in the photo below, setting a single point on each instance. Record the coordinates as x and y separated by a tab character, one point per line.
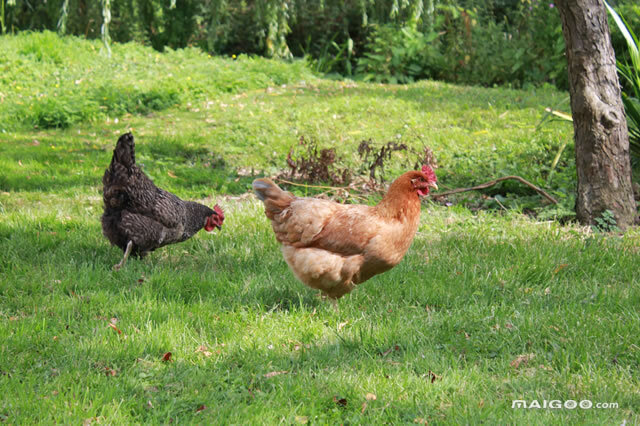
433	185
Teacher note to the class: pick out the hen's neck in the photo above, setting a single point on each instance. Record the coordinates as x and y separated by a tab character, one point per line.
401	202
195	217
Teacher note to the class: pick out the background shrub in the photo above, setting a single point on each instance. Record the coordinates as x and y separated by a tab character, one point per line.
491	42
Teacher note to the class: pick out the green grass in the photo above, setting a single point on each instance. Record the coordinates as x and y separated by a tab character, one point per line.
475	291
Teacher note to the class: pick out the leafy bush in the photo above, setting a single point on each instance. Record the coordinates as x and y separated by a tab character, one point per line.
399	55
630	78
490	42
482	50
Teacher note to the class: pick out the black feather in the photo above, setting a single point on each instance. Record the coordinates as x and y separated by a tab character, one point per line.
136	210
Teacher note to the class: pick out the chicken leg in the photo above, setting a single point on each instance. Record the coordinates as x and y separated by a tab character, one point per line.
124	259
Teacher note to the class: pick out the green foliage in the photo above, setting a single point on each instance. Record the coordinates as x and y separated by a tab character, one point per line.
606	222
479	42
630	15
629	72
54	81
399	56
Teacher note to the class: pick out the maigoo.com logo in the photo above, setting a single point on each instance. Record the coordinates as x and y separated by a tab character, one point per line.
569	404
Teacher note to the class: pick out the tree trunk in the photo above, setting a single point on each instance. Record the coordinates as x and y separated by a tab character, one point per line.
601	136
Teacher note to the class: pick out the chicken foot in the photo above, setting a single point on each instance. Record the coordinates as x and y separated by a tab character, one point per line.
127	252
334	302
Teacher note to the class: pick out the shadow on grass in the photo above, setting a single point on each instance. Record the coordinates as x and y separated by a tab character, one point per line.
174	165
186	272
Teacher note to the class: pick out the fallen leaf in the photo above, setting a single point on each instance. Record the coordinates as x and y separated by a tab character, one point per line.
20	163
201	408
508	325
420	421
560	268
433	376
388	351
110	372
302	419
342	402
547	291
522	360
275	373
171	174
149	405
116	329
342	324
204	351
166	357
370	397
466	335
364	407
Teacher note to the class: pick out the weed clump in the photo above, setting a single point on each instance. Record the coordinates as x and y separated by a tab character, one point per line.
309	164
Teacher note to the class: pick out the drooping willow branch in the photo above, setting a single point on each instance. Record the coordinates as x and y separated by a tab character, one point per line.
106	19
493	182
64	15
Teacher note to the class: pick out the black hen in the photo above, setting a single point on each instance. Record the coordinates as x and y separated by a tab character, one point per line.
138	216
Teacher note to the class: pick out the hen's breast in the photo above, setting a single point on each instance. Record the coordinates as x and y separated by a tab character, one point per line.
320	269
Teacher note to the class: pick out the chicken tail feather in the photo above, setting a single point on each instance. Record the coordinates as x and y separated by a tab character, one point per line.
262	186
275	199
125	152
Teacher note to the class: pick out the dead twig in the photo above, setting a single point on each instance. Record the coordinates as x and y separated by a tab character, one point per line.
493	182
336	189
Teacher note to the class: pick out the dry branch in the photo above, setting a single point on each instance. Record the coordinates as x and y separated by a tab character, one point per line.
493	182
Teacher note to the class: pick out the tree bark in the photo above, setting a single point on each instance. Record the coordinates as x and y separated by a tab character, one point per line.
601	136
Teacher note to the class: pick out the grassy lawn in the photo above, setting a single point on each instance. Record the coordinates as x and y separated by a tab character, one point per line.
486	308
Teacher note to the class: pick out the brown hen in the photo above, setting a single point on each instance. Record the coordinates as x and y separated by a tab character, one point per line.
333	247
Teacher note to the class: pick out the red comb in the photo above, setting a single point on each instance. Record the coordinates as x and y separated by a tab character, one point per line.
427	170
218	210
